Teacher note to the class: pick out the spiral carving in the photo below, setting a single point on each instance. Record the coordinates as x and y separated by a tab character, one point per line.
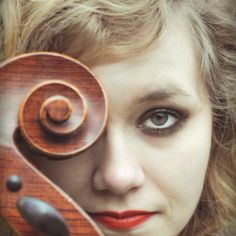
58	114
60	118
57	108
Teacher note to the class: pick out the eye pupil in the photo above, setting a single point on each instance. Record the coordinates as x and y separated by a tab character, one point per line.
159	118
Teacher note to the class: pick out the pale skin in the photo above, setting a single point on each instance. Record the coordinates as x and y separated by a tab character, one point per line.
154	153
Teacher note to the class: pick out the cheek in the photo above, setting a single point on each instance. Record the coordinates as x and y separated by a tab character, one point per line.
186	173
177	165
181	177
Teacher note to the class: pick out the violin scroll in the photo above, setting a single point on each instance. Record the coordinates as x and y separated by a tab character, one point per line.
51	106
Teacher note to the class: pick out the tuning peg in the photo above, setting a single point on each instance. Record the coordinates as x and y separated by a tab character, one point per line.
43	217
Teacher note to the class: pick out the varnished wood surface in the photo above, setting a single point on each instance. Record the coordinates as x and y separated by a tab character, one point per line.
36	185
18	78
5	229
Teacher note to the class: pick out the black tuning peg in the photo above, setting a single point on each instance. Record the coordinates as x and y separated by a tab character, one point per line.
43	217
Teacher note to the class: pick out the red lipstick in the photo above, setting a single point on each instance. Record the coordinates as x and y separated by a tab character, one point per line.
122	220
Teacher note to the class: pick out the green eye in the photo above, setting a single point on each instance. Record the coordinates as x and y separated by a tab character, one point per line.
160	121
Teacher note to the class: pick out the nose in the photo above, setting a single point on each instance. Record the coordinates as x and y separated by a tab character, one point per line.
118	169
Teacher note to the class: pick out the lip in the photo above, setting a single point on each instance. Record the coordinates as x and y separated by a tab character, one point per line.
122	220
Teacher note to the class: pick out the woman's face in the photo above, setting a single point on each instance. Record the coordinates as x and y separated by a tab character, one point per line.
145	175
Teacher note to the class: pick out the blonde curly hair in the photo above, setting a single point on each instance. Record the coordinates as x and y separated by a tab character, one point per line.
98	31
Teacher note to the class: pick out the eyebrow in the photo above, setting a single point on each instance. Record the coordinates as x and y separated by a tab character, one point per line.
160	94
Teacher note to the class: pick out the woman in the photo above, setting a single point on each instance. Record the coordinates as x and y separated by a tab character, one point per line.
166	163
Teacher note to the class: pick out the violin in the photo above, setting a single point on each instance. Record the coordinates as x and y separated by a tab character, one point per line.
51	107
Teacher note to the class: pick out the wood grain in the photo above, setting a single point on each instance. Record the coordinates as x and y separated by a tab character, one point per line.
26	82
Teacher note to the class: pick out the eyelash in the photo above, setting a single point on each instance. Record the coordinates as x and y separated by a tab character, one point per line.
178	116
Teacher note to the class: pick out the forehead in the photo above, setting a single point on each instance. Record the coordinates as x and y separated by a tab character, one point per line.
170	65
